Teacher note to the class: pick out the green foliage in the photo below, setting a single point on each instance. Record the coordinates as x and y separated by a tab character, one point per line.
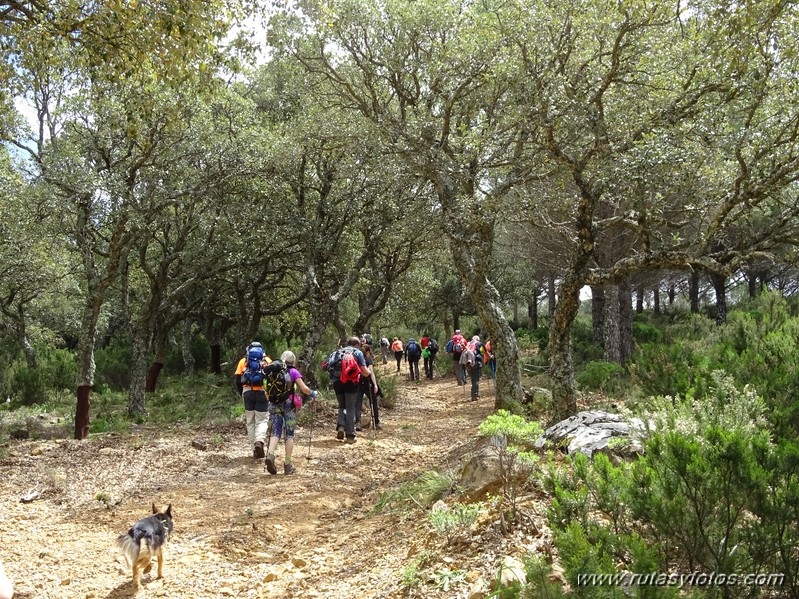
113	364
676	369
704	496
447	579
512	436
422	491
646	333
452	521
601	376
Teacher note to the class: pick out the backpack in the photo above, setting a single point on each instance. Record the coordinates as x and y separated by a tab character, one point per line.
433	347
413	350
277	381
253	374
467	358
341	365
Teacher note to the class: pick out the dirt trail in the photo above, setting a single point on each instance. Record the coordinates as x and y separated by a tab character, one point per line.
239	532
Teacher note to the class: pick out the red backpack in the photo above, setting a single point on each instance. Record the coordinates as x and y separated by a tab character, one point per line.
350	369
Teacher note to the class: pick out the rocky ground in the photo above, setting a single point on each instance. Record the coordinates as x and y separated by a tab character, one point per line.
240	532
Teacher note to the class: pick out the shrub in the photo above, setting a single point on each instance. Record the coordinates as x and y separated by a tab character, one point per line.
601	376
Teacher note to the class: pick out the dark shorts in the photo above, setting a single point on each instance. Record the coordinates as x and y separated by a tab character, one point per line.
255	400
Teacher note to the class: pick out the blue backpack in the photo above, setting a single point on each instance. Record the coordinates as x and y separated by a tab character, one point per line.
253	370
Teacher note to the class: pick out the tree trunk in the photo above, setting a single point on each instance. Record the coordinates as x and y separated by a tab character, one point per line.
598	313
216	358
532	310
139	361
82	412
656	301
159	358
552	299
612	325
625	322
151	383
471	270
22	335
693	291
719	283
561	369
85	363
185	348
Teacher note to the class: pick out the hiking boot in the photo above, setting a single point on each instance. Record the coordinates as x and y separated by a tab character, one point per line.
258	450
350	440
288	469
270	464
340	433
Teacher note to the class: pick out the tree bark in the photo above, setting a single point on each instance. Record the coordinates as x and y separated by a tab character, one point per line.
612	325
598	313
137	397
552	299
719	282
693	291
185	348
471	270
532	310
625	321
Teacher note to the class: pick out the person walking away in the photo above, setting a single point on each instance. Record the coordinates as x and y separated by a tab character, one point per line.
283	415
384	349
432	350
367	387
412	355
456	346
256	416
345	366
490	359
474	364
396	347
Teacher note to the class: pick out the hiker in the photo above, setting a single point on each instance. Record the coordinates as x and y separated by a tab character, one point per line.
367	387
283	416
384	347
432	350
412	355
472	360
256	417
490	359
345	366
396	347
455	347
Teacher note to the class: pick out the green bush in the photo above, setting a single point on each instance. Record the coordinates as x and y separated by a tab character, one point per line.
113	365
646	333
602	376
712	493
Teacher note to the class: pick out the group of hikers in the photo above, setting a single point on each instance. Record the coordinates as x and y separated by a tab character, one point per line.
426	349
272	389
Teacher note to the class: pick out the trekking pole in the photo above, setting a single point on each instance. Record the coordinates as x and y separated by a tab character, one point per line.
310	431
372	404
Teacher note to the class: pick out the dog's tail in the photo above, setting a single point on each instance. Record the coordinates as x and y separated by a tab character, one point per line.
130	544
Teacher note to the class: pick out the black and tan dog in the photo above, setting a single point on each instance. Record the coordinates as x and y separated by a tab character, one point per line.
154	531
